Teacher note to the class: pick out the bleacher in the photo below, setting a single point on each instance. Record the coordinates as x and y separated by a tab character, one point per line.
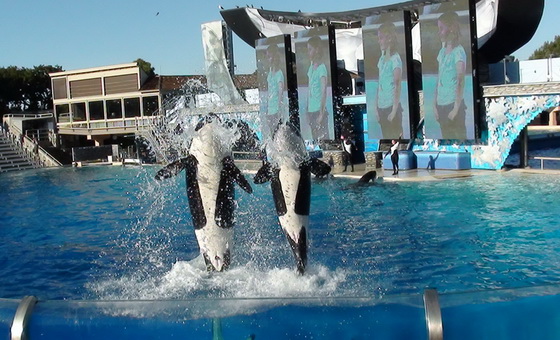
12	158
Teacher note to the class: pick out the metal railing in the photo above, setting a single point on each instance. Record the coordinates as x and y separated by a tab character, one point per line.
106	126
29	115
543	158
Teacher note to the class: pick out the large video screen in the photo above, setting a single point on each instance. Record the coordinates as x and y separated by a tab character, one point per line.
315	49
386	65
274	81
447	75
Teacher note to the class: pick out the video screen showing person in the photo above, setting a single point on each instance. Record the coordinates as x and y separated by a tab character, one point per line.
386	69
447	75
272	74
314	78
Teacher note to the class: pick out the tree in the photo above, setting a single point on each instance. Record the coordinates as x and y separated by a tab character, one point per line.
550	49
146	67
26	89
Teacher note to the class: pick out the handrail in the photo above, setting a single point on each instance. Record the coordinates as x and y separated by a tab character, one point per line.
29	115
110	124
544	158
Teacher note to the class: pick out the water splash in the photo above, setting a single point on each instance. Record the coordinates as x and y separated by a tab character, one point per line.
169	133
189	279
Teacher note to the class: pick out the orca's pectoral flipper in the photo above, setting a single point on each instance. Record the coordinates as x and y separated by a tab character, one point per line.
264	174
318	167
172	169
233	171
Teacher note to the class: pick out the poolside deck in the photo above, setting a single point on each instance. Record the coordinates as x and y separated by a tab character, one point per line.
422	175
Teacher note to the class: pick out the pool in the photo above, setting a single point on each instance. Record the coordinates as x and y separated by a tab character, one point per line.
101	235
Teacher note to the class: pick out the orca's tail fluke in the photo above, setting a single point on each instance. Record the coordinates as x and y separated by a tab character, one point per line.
299	248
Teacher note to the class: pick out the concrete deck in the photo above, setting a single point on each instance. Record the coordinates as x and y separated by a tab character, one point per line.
423	175
413	175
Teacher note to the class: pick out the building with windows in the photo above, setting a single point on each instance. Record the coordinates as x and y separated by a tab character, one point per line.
98	106
110	105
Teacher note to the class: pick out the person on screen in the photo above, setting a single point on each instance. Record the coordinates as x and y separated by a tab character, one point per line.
317	115
275	88
389	110
449	105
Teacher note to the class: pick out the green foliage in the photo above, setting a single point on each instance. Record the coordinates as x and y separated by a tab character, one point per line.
26	89
146	67
550	49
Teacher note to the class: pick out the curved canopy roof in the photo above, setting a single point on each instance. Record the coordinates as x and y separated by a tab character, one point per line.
503	26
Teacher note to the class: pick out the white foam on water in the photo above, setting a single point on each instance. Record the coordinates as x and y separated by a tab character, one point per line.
189	279
239	290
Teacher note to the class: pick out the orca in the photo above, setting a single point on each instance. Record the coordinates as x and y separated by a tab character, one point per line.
210	176
369	176
288	167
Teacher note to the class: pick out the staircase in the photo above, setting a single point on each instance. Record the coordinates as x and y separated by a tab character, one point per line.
12	158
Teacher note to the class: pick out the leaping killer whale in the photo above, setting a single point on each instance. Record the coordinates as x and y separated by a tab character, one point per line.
288	168
210	175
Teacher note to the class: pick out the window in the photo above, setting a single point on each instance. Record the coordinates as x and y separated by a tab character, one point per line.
114	109
151	105
63	113
96	110
132	107
78	112
59	88
121	84
85	88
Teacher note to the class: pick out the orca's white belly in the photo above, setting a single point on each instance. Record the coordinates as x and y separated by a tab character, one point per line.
291	222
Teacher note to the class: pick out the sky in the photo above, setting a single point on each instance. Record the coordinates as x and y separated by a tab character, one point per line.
76	34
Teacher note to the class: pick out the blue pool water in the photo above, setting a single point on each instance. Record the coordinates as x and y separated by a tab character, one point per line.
114	233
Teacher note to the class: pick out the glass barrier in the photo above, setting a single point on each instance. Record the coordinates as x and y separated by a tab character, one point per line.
524	313
302	318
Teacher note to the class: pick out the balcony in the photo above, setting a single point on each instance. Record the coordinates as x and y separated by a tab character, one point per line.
104	127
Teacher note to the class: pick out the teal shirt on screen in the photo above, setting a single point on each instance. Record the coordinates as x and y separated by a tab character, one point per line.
387	66
447	70
315	93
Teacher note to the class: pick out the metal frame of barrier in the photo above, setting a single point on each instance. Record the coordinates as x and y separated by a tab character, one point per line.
432	308
23	313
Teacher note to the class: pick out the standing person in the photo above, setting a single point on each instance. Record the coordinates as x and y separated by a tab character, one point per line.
317	115
35	145
389	109
394	151
347	146
275	89
449	105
